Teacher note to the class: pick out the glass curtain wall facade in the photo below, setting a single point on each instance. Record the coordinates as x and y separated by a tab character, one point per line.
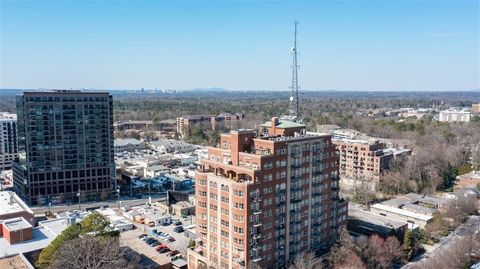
65	147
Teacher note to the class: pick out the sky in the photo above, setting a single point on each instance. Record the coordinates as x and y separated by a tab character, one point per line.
240	45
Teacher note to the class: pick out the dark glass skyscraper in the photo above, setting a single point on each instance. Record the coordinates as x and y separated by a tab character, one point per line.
65	141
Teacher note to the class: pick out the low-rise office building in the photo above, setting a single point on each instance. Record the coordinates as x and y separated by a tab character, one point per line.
16	230
413	219
455	114
468	180
367	223
11	206
415	209
155	171
121	145
171	146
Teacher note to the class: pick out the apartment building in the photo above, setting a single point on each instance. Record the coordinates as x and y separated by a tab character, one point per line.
475	109
263	198
8	140
65	146
364	160
185	123
455	114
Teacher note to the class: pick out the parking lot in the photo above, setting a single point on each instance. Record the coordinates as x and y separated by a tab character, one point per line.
130	238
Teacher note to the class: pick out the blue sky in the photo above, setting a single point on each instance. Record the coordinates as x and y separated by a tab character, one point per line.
244	45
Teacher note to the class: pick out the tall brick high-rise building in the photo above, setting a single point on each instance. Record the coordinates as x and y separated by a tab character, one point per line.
65	141
263	198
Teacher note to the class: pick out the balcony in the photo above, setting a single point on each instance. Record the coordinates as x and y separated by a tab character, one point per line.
295	200
256	258
256	211
296	165
240	262
256	224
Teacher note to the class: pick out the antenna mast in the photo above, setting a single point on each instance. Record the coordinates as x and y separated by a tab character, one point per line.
294	109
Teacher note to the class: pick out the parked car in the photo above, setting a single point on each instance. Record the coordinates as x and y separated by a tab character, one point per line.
147	238
164	250
155	243
150	240
171	239
151	224
178	229
142	236
172	253
160	247
176	257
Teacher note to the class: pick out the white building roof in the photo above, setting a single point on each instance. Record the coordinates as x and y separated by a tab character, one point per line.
41	238
16	224
402	212
11	203
129	141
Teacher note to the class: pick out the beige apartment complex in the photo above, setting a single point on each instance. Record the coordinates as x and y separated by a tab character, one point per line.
364	160
185	123
475	109
263	198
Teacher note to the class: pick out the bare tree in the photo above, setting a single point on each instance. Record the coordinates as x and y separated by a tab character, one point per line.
306	260
379	252
90	252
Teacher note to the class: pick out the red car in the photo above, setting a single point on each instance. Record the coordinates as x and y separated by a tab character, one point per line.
160	247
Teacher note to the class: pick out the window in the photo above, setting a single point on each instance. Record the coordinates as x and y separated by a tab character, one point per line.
268	165
238	217
225	199
224	211
224	188
238	205
225	223
238	230
224	233
213	196
238	241
238	193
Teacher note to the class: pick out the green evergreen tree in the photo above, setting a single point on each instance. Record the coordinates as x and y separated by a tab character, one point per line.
94	224
408	244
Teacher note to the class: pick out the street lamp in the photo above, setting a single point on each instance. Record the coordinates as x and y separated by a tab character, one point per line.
78	195
118	197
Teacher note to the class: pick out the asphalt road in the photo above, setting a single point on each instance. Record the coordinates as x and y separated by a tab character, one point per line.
83	206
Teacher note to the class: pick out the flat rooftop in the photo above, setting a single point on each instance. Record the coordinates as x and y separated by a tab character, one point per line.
13	262
375	219
41	238
128	141
16	224
402	212
10	203
54	226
